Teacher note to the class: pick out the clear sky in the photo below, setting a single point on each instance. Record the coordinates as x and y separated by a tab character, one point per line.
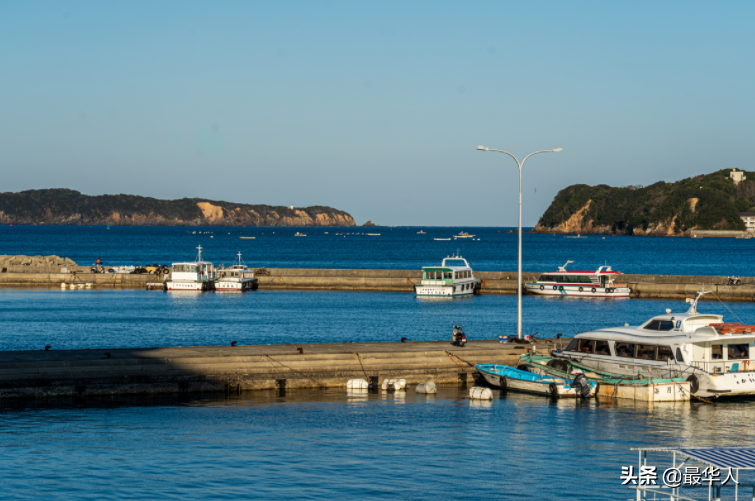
372	107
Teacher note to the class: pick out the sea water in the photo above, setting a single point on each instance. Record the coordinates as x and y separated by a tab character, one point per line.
492	249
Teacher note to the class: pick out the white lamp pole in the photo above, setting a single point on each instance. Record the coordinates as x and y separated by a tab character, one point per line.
519	274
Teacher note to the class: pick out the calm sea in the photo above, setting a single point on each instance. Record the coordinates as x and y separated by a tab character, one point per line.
393	248
327	444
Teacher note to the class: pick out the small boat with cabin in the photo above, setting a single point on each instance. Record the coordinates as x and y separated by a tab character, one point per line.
237	278
454	277
198	275
715	357
463	234
598	283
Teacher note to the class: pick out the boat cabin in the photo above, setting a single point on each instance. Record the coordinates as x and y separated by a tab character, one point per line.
451	270
602	277
193	272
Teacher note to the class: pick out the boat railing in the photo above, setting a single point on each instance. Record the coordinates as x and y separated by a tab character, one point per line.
724	366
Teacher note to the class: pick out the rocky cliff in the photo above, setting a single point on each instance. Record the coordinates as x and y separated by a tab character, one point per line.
705	202
62	206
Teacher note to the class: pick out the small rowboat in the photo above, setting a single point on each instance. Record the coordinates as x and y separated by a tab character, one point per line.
509	378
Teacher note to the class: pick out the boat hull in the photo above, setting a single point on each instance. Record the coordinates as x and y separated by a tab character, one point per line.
574	290
442	291
188	286
247	285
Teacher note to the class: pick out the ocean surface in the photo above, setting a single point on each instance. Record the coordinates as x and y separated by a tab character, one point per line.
393	248
327	444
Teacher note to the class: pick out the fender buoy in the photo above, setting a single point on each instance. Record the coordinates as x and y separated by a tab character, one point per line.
553	390
694	383
542	287
504	383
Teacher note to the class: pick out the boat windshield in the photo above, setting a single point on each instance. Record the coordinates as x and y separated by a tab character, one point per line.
454	262
659	325
565	279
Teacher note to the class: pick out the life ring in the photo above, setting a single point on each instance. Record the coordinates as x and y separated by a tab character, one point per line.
580	289
694	383
542	287
593	289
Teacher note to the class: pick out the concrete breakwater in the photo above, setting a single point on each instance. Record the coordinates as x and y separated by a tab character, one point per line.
493	282
65	373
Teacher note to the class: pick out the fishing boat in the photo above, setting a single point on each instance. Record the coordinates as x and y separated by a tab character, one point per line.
237	278
512	379
297	234
634	387
420	232
198	275
463	234
714	356
598	283
454	277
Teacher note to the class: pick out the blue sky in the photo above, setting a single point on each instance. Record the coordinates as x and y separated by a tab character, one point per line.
372	107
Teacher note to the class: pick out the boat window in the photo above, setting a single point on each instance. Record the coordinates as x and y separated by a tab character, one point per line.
659	325
679	357
664	354
717	352
601	348
625	350
738	351
545	278
573	345
586	346
646	352
448	276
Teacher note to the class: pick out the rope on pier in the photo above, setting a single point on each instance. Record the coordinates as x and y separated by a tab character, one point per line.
360	363
457	360
294	370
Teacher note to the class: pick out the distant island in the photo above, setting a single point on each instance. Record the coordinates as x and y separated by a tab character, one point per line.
705	202
68	207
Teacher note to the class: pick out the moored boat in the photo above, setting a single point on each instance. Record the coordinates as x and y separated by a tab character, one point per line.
237	278
599	283
715	357
512	379
454	277
197	275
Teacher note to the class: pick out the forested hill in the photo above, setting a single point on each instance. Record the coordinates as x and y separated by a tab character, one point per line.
62	206
705	202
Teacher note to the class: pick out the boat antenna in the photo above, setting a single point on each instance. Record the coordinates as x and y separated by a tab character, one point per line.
240	261
199	255
563	268
693	306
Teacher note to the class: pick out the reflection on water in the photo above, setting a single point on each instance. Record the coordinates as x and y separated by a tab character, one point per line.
336	444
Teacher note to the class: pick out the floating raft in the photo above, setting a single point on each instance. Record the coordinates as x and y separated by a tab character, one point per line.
610	384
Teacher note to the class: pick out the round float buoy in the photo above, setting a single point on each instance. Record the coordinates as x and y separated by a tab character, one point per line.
428	387
480	393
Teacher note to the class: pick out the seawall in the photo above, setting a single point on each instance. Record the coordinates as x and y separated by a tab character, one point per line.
643	286
66	373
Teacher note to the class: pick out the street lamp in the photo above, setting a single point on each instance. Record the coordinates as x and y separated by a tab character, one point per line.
519	274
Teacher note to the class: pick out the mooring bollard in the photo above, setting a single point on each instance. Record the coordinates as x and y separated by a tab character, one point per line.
47	348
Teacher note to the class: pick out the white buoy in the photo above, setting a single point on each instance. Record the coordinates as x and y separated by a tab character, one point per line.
357	384
71	286
89	285
428	387
62	285
480	393
394	384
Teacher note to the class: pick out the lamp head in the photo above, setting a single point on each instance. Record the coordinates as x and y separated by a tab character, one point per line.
558	149
482	148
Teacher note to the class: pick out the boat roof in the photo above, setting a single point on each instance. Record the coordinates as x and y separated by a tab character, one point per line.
192	262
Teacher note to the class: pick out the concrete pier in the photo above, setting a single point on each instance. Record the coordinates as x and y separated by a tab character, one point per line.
493	282
65	373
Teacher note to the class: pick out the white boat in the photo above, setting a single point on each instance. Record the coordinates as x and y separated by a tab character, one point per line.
463	234
297	234
714	357
598	283
454	277
196	275
420	232
237	278
444	239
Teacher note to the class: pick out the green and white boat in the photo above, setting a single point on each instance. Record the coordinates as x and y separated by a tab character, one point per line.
454	277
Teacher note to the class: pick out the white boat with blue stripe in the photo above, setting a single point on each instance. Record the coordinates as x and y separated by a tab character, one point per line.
599	283
454	277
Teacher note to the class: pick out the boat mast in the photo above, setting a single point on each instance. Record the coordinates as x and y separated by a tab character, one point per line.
199	256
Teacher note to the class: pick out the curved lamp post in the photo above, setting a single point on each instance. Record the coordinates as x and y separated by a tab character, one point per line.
519	274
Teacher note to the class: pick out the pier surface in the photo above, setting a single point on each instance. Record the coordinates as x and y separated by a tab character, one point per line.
65	373
493	282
